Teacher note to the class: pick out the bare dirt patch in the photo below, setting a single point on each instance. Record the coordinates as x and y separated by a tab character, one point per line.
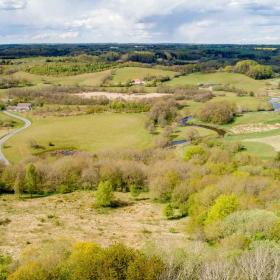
252	128
72	216
113	95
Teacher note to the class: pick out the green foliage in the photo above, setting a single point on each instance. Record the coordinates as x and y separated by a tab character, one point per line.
193	151
168	211
29	271
104	194
31	179
223	206
253	69
135	190
82	264
5	261
88	261
68	69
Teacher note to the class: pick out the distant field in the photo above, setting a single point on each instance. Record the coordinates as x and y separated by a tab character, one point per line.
237	80
106	131
88	79
256	117
129	73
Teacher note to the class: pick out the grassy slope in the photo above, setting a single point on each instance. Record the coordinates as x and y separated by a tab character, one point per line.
256	117
238	80
128	73
88	132
5	118
89	79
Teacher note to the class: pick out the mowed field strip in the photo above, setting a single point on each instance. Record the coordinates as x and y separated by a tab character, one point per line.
273	141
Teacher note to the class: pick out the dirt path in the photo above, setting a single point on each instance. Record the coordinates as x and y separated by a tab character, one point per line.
10	134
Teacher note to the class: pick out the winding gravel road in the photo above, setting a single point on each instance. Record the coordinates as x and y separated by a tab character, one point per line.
10	134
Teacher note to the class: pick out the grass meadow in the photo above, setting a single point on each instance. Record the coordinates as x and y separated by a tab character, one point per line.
107	131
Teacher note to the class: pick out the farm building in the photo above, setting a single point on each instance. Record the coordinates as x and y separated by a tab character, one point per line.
138	82
21	107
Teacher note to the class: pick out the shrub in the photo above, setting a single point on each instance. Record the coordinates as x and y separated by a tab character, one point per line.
168	211
254	223
193	151
29	271
82	264
104	194
145	268
223	206
31	179
218	112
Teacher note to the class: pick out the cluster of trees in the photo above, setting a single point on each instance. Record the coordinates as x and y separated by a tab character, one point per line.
142	56
86	261
11	82
186	93
60	95
68	69
217	112
252	69
162	113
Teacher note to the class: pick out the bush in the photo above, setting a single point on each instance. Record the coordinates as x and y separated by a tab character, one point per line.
223	206
104	194
193	151
168	211
218	112
30	271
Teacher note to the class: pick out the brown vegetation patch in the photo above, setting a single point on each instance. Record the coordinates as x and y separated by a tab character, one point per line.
113	95
256	127
74	217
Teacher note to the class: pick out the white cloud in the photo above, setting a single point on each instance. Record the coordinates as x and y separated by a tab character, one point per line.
12	4
214	21
54	37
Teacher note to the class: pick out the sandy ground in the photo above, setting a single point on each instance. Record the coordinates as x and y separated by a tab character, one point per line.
251	128
30	222
273	141
112	95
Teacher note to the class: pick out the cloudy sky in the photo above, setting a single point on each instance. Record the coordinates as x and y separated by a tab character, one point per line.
140	21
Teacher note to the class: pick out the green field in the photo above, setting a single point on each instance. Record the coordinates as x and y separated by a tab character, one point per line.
125	74
256	117
262	150
106	131
181	132
88	79
238	80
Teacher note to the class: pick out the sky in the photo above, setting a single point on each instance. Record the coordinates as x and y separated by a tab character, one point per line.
140	21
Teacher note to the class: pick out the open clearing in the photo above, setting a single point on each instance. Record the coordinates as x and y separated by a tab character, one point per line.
238	80
72	216
273	141
88	79
97	132
125	74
